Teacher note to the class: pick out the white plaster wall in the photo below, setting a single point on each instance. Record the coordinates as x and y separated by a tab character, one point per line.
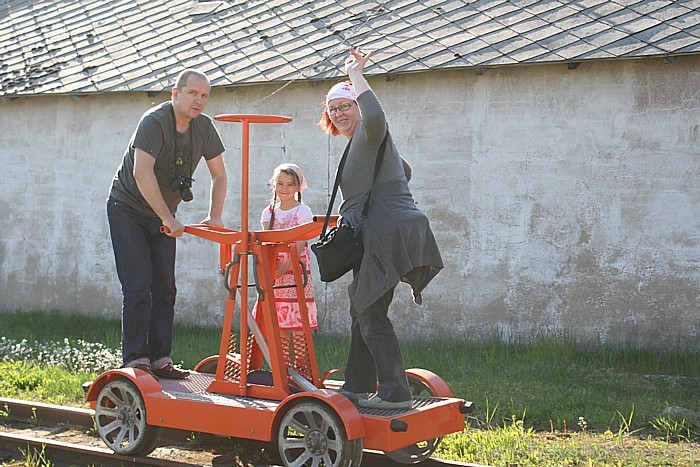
563	200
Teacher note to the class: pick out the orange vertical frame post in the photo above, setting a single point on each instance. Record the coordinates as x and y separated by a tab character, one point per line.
249	354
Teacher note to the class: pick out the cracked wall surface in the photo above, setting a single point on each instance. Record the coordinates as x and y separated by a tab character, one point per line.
564	201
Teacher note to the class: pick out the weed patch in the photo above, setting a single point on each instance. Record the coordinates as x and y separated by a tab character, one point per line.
76	356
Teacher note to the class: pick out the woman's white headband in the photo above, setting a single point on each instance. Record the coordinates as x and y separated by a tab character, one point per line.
342	90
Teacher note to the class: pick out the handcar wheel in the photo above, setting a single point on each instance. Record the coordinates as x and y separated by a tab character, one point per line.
311	434
120	416
208	368
420	451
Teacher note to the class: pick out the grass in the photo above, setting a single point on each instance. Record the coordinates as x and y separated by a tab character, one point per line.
516	445
551	402
554	381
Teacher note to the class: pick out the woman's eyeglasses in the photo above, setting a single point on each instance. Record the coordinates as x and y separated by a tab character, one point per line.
342	107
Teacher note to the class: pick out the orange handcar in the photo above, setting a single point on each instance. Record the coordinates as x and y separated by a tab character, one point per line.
264	386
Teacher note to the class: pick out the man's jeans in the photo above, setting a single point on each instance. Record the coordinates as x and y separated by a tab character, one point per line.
375	354
145	260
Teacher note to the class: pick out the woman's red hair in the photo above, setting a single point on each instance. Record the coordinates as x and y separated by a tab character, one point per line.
326	124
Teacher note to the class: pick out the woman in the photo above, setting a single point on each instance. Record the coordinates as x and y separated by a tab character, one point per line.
399	244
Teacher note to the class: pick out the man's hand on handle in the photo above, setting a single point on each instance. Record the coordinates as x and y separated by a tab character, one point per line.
173	228
212	221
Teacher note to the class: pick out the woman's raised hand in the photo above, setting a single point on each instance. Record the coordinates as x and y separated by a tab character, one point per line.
355	63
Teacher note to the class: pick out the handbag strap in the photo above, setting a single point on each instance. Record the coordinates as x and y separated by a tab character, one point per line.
377	166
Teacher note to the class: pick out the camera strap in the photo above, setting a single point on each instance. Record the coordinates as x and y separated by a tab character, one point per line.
186	152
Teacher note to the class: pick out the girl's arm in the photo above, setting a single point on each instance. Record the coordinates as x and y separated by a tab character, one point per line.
265	218
304	215
285	266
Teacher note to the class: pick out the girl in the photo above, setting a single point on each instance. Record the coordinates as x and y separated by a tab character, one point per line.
286	210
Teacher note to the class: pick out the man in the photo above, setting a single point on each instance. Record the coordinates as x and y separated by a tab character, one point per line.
154	177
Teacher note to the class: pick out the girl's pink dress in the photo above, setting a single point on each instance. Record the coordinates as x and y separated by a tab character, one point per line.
288	314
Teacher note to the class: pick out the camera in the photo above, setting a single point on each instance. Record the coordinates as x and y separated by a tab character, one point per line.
183	184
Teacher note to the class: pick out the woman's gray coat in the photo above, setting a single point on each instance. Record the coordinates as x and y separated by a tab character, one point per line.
399	243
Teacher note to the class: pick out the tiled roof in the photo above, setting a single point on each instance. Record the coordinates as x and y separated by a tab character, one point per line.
86	46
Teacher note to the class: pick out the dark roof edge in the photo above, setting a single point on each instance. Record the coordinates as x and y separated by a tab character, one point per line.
390	76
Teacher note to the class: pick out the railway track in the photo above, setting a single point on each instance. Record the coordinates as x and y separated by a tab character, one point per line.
15	444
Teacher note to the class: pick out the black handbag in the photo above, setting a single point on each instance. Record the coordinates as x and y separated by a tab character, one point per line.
340	249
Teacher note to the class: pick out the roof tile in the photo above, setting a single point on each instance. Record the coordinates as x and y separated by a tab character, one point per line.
671	11
681	40
687	21
529	52
606	37
529	25
499	35
540	8
543	33
624	46
575	50
603	9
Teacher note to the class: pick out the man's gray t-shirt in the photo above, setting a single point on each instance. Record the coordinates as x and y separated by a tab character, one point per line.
176	154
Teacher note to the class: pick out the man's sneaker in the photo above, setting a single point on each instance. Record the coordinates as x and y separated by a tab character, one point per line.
379	403
170	372
146	368
355	396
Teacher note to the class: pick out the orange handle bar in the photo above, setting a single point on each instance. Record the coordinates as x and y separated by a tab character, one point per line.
226	236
